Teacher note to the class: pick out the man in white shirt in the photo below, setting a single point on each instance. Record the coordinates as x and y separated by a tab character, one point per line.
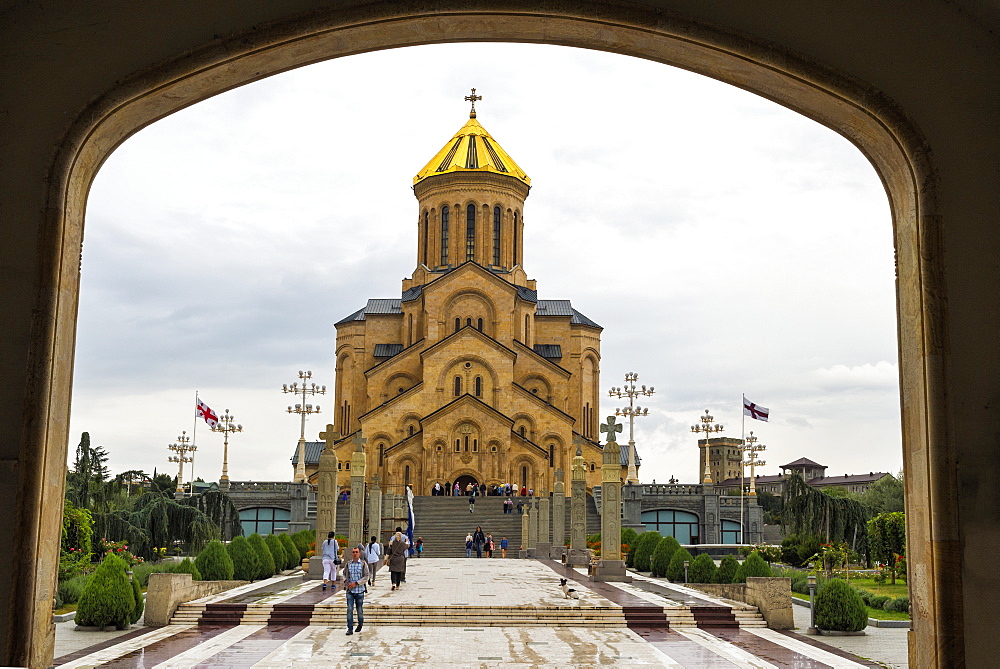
373	554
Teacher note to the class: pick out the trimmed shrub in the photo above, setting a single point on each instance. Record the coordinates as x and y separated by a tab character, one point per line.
877	601
754	565
108	599
264	556
644	550
278	552
660	560
186	566
675	572
727	569
214	562
246	564
303	540
839	607
703	569
897	605
294	556
140	603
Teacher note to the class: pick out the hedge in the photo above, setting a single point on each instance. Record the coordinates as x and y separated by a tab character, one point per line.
839	607
108	598
675	572
214	562
246	564
264	556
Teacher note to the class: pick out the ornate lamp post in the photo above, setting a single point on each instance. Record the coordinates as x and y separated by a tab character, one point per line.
227	428
181	448
303	410
752	449
707	427
811	580
631	392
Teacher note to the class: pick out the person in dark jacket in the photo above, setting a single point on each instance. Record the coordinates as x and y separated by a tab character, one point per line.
478	539
398	549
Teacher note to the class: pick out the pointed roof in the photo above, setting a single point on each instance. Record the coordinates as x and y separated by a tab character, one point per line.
472	149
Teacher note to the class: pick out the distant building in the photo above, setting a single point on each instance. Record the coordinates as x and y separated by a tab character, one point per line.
812	473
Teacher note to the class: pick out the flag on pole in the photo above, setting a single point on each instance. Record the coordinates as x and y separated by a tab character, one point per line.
409	528
755	411
202	411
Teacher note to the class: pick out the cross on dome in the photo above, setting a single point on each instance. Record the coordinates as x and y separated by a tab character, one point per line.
472	98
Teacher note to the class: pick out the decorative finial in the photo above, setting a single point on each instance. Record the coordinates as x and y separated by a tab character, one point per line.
472	98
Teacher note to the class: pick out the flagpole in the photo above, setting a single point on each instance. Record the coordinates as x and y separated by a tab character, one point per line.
743	438
194	440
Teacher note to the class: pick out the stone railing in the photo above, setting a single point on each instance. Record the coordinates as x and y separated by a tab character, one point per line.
771	596
649	489
166	592
260	486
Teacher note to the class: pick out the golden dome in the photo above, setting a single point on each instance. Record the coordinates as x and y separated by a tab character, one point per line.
472	149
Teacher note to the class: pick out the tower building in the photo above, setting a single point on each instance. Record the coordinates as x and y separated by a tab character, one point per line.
468	376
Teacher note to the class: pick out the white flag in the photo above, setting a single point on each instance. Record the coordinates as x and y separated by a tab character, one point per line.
755	411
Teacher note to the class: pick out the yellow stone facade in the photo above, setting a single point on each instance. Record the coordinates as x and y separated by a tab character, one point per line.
468	376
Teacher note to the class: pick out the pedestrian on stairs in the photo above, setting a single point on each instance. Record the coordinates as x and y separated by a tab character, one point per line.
373	555
520	508
420	546
468	545
489	545
503	547
478	539
458	490
472	504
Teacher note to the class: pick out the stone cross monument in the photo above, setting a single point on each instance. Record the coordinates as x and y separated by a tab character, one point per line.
558	515
578	503
326	496
375	510
525	532
544	544
356	531
611	566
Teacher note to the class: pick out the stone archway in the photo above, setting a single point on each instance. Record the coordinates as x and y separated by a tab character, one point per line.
464	480
190	66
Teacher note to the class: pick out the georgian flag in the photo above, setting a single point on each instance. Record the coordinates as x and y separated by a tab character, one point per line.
203	411
755	411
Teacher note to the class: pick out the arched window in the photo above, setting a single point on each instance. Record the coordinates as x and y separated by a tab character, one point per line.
458	445
458	386
468	321
514	261
524	476
409	323
479	386
479	325
496	235
406	475
411	430
466	443
426	238
521	430
458	323
552	455
527	322
591	466
445	215
475	445
470	232
681	525
381	454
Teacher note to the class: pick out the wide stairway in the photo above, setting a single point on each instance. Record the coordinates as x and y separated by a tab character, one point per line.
443	523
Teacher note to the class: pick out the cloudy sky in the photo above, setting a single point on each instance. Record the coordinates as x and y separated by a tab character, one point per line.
726	244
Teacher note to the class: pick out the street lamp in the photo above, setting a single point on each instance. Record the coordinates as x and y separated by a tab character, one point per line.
686	565
750	449
631	392
181	448
811	580
303	410
226	427
707	427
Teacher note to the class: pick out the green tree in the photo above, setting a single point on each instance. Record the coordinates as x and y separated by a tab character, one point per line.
140	603
887	539
884	496
675	572
809	511
277	551
772	506
155	520
267	566
755	566
164	483
187	566
703	569
108	599
246	564
294	556
220	509
727	569
840	607
76	547
660	561
214	562
644	550
86	478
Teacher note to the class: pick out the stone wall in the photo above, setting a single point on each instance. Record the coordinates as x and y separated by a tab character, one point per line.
166	592
771	596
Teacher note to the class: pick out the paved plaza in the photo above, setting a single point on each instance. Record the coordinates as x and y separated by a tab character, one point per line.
474	613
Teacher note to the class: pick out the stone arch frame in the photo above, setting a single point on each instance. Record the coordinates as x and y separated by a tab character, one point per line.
559	455
518	418
391	386
514	469
489	323
538	376
195	71
445	377
406	419
398	468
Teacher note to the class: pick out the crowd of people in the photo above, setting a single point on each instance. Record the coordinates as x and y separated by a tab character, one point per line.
479	490
483	543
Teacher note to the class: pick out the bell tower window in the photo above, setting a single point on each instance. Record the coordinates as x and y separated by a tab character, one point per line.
426	239
514	261
458	386
470	232
445	215
496	236
479	386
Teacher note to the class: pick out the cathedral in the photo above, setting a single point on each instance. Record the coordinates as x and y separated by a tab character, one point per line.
467	376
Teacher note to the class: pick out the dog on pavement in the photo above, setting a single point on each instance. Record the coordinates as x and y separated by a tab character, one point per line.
568	592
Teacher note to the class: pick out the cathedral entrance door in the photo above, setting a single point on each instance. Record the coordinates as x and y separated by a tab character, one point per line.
465	480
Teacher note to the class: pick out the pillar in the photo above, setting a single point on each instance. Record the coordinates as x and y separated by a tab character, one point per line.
375	510
544	543
611	567
578	505
356	529
326	498
558	514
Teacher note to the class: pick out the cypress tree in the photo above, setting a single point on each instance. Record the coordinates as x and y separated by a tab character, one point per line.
277	551
644	550
214	562
140	603
727	569
108	598
187	566
267	566
754	565
840	607
703	569
675	572
662	554
246	564
294	556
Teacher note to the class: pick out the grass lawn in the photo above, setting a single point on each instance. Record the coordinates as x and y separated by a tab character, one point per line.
898	590
877	614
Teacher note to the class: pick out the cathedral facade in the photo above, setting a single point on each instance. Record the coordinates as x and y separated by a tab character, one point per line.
468	376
